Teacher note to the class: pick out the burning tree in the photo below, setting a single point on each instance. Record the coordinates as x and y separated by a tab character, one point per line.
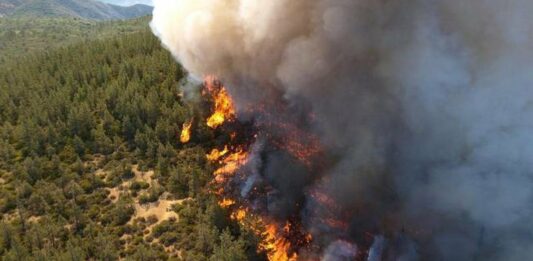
234	181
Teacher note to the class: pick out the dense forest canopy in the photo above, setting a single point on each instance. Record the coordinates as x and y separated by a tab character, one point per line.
23	35
90	162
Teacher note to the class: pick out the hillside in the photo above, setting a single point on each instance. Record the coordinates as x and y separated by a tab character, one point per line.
23	35
87	9
90	163
128	2
8	6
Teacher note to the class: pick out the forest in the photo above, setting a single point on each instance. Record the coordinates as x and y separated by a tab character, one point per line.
25	34
91	167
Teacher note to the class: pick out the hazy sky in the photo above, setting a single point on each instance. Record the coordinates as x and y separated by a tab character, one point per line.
128	2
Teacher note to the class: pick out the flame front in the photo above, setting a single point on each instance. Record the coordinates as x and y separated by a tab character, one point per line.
274	237
186	132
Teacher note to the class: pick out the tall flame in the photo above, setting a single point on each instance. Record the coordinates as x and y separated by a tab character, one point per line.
224	108
186	132
277	247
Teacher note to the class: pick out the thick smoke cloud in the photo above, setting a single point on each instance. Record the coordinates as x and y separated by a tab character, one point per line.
428	106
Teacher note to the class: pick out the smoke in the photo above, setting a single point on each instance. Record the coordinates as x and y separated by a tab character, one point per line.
339	251
425	107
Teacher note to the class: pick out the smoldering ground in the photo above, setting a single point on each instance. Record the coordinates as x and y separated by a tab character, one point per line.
426	105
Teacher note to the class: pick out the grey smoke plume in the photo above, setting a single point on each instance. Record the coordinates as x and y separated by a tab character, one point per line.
339	251
427	105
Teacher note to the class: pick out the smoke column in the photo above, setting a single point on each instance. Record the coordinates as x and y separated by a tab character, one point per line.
427	107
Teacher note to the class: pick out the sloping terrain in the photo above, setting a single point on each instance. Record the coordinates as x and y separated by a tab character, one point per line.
128	2
23	35
86	9
8	6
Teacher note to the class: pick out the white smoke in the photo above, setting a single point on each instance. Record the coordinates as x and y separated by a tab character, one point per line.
433	96
340	251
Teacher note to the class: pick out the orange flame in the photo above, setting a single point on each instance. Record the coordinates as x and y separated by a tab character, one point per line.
230	165
186	132
225	203
216	154
239	215
273	236
277	247
224	108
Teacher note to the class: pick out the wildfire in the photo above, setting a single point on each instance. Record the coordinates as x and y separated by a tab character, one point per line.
239	215
276	246
275	238
186	132
225	203
300	145
230	165
223	106
217	154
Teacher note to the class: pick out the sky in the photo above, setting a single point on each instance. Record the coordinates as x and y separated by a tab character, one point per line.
127	2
